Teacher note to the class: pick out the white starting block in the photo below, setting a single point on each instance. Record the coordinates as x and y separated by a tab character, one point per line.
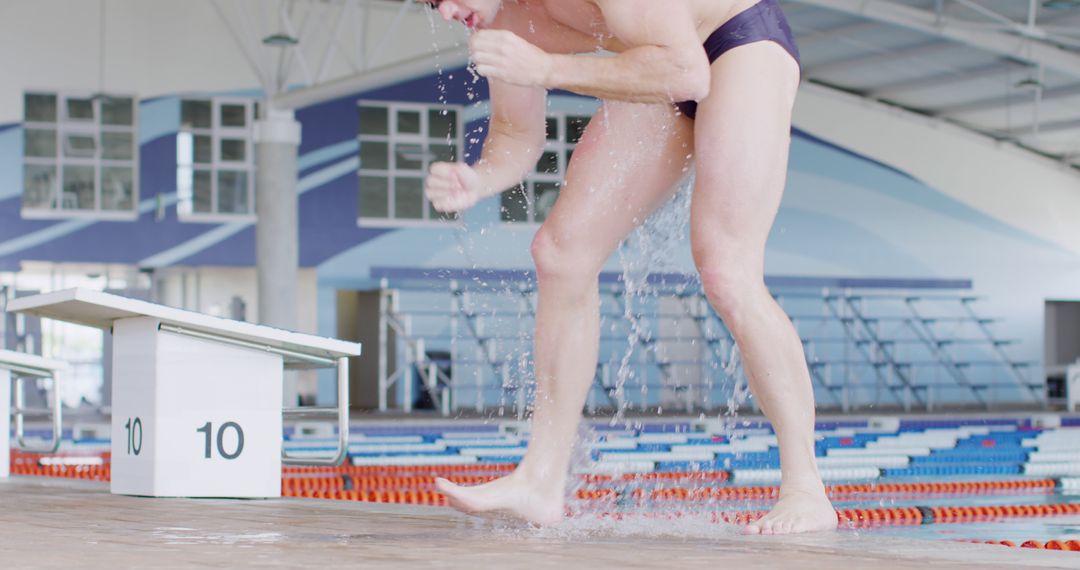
196	400
18	367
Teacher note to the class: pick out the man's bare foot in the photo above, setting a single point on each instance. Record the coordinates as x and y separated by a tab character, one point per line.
797	511
508	497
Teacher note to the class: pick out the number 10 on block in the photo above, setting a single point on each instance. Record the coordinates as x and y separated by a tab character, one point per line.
227	427
134	430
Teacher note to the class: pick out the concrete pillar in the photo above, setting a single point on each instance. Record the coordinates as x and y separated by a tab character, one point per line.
277	235
5	419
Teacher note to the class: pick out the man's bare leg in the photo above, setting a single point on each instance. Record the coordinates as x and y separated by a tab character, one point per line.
626	165
742	138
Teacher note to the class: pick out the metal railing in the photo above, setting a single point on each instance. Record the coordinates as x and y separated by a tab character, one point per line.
20	411
863	348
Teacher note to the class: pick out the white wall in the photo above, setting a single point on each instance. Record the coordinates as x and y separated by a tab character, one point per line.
158	47
210	290
1031	193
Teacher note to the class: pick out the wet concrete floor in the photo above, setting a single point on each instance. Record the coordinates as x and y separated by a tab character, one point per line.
69	524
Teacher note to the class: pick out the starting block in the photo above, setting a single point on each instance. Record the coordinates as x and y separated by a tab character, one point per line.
196	400
15	368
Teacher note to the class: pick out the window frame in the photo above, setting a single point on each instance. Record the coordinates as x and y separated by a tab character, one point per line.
65	126
561	147
394	138
185	211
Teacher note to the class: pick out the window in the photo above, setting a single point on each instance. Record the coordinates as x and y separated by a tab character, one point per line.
215	163
531	201
80	155
398	142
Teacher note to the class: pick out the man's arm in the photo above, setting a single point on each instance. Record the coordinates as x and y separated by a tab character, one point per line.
664	63
513	144
515	136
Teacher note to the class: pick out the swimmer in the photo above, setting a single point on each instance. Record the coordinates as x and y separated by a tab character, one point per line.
668	105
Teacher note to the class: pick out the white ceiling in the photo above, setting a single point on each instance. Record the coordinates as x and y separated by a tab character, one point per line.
1009	69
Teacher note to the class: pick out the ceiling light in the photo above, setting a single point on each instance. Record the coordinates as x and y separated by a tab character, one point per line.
1029	83
280	40
1060	4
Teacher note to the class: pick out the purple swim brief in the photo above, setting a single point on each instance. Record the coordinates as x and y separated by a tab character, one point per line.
763	21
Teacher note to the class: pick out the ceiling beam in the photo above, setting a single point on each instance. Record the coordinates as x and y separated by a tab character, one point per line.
1046	128
1000	42
1000	67
374	78
1018	97
876	58
808	36
1073	159
248	45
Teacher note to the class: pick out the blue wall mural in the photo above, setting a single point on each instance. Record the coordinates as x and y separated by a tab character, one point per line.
843	215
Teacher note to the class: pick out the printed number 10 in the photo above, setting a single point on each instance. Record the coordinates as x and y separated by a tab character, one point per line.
134	446
208	429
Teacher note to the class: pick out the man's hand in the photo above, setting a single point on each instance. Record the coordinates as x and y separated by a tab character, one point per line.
452	186
503	55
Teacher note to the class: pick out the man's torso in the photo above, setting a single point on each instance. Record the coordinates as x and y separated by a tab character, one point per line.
577	26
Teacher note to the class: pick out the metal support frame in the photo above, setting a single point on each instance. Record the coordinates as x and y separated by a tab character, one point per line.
297	360
390	318
473	326
895	88
848	324
1010	38
20	412
1037	389
313	55
869	348
651	355
384	346
342	413
1024	43
716	344
997	101
920	325
920	49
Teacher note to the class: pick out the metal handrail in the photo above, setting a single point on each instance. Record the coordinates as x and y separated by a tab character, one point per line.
1012	365
848	324
862	341
342	412
301	356
934	345
19	411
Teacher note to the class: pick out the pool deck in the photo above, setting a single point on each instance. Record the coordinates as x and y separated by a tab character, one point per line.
52	523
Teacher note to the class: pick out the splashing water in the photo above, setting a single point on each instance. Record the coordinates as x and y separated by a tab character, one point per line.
740	391
580	460
509	359
465	242
649	249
